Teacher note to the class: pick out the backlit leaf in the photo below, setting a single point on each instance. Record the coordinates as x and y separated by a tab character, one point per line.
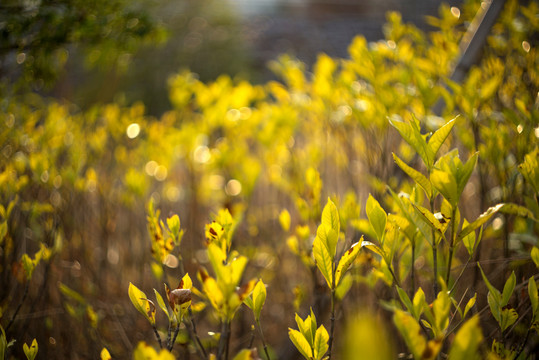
508	289
141	303
105	355
284	220
534	296
483	218
377	217
320	342
301	343
324	261
467	341
469	305
418	177
411	332
535	256
438	138
31	351
330	216
346	260
259	298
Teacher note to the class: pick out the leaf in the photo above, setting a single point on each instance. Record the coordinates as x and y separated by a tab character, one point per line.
469	305
373	247
3	231
430	219
411	134
483	218
3	343
467	341
468	240
301	343
320	343
535	256
31	351
246	354
141	303
418	177
144	351
508	289
534	297
329	239
405	299
465	172
105	354
324	261
346	260
330	216
284	220
411	332
419	303
438	138
508	318
377	217
259	298
446	184
161	302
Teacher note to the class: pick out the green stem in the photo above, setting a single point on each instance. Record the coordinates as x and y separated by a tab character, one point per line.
434	255
263	339
413	268
451	245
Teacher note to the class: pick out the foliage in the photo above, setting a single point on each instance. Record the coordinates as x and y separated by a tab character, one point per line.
429	220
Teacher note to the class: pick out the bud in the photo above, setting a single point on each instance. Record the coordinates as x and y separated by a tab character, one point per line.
180	296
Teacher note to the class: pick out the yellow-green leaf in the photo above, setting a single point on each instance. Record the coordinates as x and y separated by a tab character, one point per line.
320	343
419	178
324	261
346	260
161	302
301	343
330	216
467	341
535	256
141	303
508	289
411	332
377	217
144	351
328	238
469	305
31	351
534	296
259	298
446	184
438	138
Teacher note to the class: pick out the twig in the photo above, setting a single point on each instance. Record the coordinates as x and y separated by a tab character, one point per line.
263	340
157	336
18	306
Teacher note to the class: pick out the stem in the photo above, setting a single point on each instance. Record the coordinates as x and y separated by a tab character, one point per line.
451	245
176	332
198	342
262	338
413	268
434	256
460	275
223	341
157	336
18	306
332	329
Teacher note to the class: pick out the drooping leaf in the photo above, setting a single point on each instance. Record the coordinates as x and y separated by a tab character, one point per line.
346	260
373	247
507	318
141	303
418	177
482	219
377	217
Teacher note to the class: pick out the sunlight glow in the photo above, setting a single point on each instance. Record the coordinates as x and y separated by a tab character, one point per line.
233	187
133	130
